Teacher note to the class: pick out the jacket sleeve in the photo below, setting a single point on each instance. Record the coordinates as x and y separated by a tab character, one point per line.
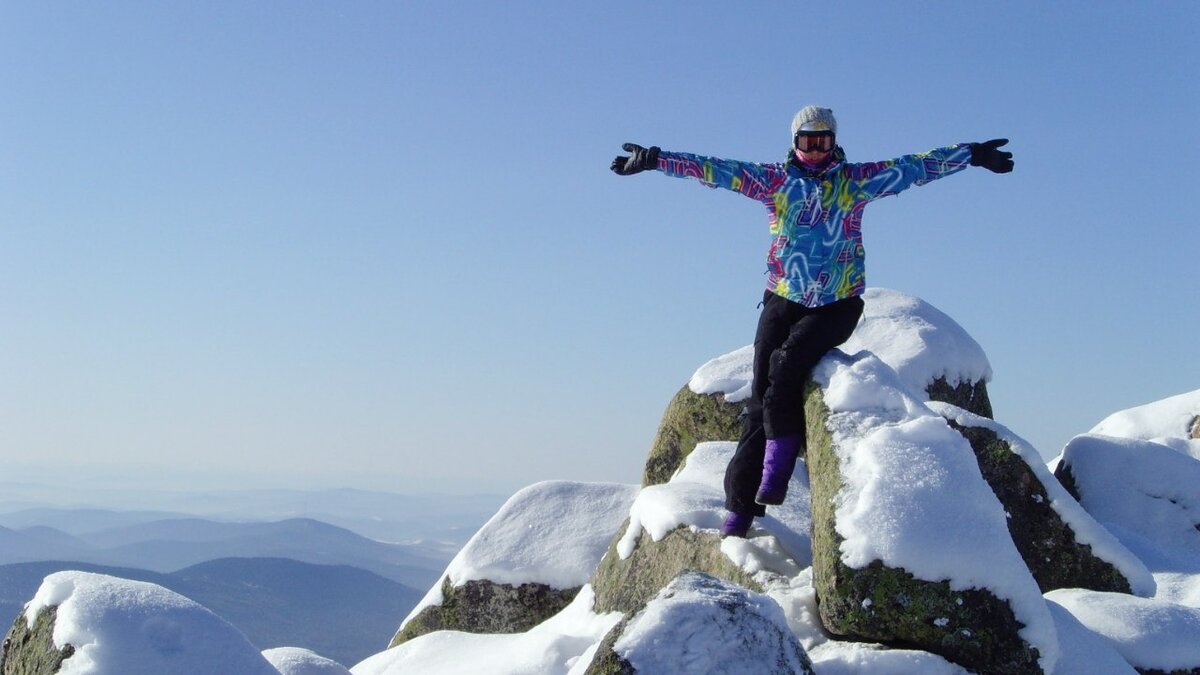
752	180
880	179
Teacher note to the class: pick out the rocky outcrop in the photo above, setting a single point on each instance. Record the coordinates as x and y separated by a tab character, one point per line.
625	585
1048	545
690	418
1194	431
30	650
696	614
889	605
523	567
482	606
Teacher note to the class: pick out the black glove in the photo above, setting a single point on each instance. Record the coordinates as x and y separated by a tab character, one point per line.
987	156
642	159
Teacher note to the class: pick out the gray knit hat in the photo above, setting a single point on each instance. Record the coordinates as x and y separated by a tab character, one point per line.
814	118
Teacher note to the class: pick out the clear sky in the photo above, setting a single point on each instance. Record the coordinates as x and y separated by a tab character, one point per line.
377	244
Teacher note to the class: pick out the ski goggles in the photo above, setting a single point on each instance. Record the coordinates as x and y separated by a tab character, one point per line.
808	142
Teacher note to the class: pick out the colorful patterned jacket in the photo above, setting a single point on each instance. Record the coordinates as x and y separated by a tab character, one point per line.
816	255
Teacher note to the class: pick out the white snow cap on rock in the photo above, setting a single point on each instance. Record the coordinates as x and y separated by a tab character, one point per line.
689	628
552	533
136	628
1168	421
297	661
916	339
1149	634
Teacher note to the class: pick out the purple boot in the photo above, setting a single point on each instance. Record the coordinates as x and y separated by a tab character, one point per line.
736	525
778	464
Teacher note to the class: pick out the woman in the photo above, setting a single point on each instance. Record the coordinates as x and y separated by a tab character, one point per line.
815	277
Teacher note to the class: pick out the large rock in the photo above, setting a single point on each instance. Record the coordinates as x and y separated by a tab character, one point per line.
934	357
967	595
526	563
93	623
700	619
1153	636
29	649
690	418
626	584
1055	536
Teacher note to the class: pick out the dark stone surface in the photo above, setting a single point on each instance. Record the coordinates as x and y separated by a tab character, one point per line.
972	397
482	606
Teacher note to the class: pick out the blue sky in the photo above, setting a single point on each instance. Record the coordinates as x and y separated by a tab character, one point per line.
377	245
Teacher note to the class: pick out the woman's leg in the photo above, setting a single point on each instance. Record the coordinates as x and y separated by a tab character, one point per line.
744	472
811	337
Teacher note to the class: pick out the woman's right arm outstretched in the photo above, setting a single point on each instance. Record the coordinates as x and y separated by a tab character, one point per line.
753	180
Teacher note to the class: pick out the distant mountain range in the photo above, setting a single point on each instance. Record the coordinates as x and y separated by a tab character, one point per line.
169	545
340	612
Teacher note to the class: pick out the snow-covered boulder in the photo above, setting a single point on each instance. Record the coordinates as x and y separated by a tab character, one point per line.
82	623
702	624
1062	545
910	545
1173	417
298	661
526	563
673	527
1151	635
561	645
936	359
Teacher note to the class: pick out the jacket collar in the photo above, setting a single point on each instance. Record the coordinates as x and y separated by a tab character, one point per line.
796	168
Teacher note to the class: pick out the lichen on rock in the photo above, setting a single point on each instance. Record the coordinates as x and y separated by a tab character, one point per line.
30	650
624	585
690	418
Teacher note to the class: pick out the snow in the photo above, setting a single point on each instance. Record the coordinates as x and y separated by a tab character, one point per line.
1087	530
1169	418
297	661
553	533
1082	652
695	498
1148	634
122	627
914	498
916	339
689	627
1145	493
556	646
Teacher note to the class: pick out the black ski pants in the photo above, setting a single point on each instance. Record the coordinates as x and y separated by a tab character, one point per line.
790	340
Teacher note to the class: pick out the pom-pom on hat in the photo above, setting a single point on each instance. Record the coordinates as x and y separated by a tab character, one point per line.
814	118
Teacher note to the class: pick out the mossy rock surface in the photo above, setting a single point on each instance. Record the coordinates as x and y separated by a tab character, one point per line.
690	418
972	628
627	585
482	606
1045	541
31	651
970	396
